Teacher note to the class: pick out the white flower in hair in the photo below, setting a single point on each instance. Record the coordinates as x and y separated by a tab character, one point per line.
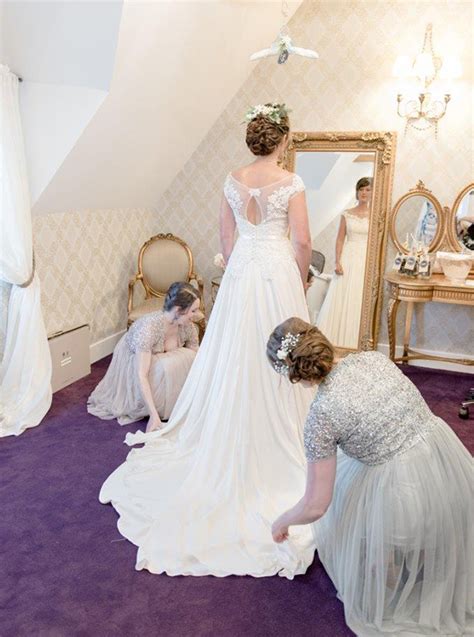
273	112
281	368
288	344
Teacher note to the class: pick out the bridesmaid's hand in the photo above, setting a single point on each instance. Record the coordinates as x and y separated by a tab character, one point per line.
280	531
338	269
153	424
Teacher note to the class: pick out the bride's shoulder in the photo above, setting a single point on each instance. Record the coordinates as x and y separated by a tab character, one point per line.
293	176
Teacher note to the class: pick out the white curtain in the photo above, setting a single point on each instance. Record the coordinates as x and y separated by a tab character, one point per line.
25	371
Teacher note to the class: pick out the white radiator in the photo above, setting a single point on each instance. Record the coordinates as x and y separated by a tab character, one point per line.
70	356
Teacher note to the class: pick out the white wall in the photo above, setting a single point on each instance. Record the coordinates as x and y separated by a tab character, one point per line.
54	116
65	53
178	64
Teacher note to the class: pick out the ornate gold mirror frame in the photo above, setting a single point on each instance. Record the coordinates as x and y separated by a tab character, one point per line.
418	191
383	146
451	233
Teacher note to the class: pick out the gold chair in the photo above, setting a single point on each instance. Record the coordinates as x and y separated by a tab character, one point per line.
162	260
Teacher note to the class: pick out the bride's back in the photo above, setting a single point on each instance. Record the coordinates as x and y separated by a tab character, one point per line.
259	174
256	176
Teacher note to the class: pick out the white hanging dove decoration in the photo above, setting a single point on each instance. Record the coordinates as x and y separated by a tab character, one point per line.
282	47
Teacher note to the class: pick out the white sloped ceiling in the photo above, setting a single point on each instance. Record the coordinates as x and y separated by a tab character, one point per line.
119	142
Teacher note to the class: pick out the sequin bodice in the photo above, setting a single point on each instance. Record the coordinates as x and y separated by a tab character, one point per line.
266	242
367	407
148	334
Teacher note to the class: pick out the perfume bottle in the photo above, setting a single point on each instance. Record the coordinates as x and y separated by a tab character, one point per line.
399	262
424	264
411	264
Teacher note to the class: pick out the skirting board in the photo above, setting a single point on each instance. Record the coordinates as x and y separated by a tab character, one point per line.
450	367
104	347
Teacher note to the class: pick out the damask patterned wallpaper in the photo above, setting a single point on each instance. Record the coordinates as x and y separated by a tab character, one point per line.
84	261
349	88
85	258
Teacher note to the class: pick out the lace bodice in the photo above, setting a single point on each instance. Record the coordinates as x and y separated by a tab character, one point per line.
267	241
147	334
357	228
369	408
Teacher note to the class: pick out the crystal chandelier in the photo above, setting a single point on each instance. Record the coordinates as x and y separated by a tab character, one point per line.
426	91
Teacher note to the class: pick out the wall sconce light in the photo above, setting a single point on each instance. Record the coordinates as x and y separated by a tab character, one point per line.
422	104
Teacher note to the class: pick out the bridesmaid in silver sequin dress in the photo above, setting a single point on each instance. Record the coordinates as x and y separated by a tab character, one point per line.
394	524
151	362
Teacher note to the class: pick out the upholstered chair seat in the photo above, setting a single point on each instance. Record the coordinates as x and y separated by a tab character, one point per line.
162	260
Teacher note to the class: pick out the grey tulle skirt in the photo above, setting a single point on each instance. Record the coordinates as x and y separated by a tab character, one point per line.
398	541
118	394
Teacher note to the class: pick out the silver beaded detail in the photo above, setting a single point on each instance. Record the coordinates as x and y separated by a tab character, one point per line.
368	408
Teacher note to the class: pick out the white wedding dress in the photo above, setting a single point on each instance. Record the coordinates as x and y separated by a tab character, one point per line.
200	497
339	317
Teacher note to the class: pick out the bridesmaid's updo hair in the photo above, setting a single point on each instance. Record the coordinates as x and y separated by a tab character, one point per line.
311	359
264	135
362	183
180	295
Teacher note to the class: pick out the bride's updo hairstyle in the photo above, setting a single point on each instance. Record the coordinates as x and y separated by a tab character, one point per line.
180	295
311	358
267	125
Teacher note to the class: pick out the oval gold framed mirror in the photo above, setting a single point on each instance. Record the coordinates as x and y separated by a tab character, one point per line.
461	221
417	217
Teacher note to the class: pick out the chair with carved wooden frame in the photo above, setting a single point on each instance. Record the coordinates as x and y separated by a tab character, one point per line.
162	260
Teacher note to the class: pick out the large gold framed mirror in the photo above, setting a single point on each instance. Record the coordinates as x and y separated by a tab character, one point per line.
345	299
417	218
461	221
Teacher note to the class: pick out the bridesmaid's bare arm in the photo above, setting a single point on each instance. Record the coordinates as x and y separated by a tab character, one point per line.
313	505
143	364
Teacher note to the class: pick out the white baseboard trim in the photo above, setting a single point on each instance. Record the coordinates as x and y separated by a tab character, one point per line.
450	367
104	347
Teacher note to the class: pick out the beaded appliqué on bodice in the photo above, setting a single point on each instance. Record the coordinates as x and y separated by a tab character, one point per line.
148	334
357	228
265	242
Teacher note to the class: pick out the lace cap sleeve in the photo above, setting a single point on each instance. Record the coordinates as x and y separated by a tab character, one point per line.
297	186
320	439
147	334
191	336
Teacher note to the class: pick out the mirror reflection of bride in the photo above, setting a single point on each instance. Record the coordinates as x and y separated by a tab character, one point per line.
339	317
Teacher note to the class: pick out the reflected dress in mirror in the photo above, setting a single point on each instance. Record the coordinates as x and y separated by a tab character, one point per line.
339	317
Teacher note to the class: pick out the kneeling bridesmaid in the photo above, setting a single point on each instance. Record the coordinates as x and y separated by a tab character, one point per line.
393	525
151	362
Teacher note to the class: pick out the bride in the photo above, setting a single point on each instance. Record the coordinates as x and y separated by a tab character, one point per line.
200	496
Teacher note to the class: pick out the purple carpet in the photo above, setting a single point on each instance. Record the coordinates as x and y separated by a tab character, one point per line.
66	571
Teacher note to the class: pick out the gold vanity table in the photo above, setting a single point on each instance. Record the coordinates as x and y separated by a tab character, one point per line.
437	288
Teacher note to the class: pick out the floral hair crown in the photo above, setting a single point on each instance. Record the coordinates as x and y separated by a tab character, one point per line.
287	345
273	112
